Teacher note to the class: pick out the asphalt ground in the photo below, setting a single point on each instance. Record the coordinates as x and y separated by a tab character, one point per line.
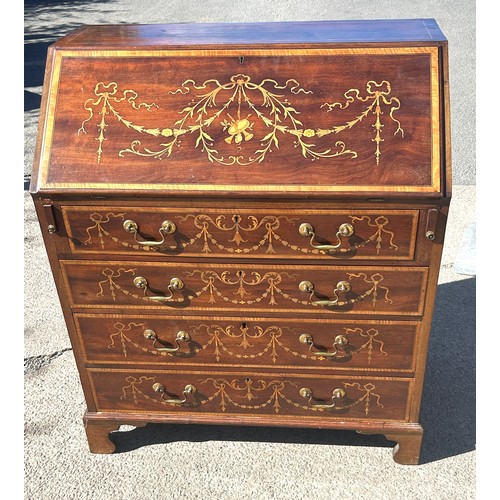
206	462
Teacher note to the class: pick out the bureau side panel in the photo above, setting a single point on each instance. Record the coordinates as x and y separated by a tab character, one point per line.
42	207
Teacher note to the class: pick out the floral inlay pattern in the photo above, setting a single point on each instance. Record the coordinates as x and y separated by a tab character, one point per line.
120	332
107	95
238	227
236	106
249	394
374	280
99	220
242	282
110	281
269	223
216	333
380	224
216	336
377	95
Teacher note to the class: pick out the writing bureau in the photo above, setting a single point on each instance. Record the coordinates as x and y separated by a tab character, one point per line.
245	221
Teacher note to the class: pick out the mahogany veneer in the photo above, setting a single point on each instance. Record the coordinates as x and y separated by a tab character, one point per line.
245	221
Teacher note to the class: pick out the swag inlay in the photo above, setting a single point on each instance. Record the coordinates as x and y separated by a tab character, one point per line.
255	341
235	107
250	394
238	228
226	285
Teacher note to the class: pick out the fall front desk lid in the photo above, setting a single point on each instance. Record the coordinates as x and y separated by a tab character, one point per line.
281	118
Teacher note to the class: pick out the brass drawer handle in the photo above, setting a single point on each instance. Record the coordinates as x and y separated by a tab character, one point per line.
337	396
160	389
182	336
167	227
339	344
345	231
175	284
342	287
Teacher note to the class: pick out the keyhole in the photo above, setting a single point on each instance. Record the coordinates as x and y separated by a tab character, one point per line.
241	59
244	326
236	219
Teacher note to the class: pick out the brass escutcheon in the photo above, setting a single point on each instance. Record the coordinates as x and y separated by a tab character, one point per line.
306	286
341	341
346	229
343	286
305	338
176	284
140	282
306	229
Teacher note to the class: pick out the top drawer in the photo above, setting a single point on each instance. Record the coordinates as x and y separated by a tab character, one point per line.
262	233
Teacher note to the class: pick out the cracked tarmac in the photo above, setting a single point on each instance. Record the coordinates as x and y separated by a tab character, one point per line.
34	363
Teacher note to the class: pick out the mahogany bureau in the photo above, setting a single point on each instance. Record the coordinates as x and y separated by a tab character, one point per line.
245	221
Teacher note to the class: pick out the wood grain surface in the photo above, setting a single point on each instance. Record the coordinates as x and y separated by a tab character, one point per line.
251	288
242	232
175	168
253	394
240	117
246	342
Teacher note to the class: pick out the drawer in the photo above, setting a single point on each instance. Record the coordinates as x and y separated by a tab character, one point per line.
234	287
335	397
304	234
215	341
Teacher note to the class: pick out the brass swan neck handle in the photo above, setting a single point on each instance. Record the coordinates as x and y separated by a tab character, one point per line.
337	396
181	336
167	227
339	344
341	287
175	284
344	231
160	389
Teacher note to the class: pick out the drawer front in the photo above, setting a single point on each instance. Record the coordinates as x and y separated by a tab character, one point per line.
311	234
251	394
216	341
234	287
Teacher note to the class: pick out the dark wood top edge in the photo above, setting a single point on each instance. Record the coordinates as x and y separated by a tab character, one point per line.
253	34
165	194
243	47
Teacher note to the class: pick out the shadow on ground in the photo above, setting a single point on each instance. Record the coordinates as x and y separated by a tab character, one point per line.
448	411
38	37
448	406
